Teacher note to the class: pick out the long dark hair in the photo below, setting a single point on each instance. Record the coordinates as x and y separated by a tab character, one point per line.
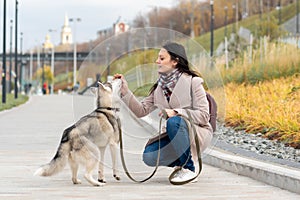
178	54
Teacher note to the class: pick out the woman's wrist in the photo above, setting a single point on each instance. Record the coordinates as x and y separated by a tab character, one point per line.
124	93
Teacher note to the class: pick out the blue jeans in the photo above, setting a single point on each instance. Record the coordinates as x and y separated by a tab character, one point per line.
174	149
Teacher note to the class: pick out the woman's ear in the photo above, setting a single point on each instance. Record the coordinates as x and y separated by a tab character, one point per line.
175	62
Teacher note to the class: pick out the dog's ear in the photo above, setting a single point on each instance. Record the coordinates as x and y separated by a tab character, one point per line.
108	84
100	85
93	90
97	85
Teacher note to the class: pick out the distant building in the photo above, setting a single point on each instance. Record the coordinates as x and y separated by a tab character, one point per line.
48	44
105	33
121	27
117	28
65	38
66	32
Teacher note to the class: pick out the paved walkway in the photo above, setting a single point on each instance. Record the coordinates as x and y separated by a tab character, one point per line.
29	137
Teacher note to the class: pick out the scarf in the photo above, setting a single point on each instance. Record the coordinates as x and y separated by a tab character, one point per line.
168	81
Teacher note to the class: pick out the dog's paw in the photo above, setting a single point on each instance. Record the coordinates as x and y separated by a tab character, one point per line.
101	180
98	184
117	177
92	181
76	181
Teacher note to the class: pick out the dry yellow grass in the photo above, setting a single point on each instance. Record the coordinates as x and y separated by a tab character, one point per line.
272	108
271	61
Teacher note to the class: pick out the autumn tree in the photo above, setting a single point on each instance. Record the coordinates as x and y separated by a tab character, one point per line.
269	27
48	75
179	17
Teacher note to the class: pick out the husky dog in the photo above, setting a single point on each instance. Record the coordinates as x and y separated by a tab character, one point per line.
85	141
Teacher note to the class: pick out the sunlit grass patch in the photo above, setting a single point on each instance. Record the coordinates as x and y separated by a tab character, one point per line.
272	108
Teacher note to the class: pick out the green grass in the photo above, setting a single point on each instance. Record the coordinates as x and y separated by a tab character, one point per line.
12	102
125	63
143	91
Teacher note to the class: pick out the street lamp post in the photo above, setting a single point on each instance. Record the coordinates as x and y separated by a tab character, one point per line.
237	16
226	12
155	9
202	9
297	16
233	13
4	55
10	55
108	61
21	61
245	9
260	9
75	49
16	51
52	60
192	19
38	59
268	11
30	66
279	12
212	28
43	69
155	33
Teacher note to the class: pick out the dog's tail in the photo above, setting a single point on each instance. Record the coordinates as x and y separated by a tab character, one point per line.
60	159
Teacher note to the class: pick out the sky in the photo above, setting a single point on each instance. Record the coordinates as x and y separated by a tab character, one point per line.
36	17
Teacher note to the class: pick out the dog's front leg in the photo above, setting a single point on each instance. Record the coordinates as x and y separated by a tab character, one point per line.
113	149
101	178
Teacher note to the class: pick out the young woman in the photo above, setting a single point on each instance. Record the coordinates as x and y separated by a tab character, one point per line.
177	90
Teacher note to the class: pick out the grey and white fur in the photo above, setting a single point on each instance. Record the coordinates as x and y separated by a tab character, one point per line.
85	141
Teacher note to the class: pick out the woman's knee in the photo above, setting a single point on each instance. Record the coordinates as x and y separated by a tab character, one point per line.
150	154
174	123
150	158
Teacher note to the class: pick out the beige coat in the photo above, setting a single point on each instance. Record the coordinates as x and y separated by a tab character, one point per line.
180	100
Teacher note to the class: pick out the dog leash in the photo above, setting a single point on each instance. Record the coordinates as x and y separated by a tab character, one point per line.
193	131
189	119
123	159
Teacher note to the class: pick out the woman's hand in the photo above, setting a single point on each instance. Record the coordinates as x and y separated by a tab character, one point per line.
124	88
169	112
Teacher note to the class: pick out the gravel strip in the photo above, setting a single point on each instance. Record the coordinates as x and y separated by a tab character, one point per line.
256	143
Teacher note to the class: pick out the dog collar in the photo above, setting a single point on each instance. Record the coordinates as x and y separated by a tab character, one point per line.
108	108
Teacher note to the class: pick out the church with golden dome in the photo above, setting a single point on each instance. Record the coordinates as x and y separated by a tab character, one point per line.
66	39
